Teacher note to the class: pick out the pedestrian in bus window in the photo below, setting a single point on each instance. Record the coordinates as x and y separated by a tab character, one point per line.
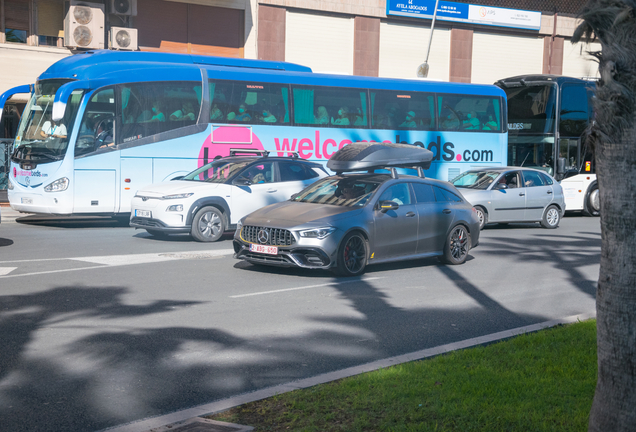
215	112
51	129
157	114
321	117
343	119
410	120
490	124
471	122
242	115
267	117
359	121
185	113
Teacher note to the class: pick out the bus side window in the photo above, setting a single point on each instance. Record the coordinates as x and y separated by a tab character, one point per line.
330	107
402	110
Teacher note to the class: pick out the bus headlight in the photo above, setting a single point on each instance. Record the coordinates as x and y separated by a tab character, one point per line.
58	185
10	185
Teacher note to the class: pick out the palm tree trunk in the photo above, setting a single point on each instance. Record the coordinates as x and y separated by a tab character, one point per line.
613	24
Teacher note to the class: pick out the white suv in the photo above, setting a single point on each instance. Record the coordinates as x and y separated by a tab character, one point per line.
212	199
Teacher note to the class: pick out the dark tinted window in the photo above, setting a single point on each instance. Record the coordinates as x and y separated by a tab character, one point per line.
531	108
330	107
469	113
290	171
423	193
399	193
450	196
439	195
574	110
151	108
402	110
249	102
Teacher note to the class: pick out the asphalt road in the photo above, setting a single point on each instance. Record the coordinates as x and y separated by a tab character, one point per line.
102	325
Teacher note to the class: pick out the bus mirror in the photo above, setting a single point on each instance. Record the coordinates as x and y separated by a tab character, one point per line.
561	166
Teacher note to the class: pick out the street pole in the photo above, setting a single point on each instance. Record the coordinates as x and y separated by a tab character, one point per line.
422	70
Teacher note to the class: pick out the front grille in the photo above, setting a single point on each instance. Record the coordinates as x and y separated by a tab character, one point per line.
275	236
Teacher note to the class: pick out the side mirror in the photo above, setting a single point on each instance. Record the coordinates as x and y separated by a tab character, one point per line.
385	206
242	181
561	166
500	186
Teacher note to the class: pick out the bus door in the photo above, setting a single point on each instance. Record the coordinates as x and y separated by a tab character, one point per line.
136	172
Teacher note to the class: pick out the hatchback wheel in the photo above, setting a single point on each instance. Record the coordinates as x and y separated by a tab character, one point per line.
457	245
593	204
352	255
551	218
482	215
208	224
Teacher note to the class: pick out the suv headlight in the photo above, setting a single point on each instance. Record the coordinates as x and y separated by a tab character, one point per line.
317	233
175	208
58	185
177	196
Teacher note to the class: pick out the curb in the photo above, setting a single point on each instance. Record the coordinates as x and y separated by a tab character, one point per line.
149	425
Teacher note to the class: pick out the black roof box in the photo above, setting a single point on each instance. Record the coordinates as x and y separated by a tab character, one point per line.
361	156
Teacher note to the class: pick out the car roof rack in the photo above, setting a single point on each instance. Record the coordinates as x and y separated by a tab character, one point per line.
236	151
360	156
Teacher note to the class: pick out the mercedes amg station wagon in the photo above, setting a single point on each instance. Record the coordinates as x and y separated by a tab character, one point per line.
349	220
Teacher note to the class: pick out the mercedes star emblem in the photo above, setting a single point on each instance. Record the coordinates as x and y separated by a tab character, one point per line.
263	236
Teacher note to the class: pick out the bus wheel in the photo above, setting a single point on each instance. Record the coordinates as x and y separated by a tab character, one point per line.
482	215
593	203
208	224
551	218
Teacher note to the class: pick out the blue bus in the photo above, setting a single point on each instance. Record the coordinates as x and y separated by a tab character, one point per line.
101	124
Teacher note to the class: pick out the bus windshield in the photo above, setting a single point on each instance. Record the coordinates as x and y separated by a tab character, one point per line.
531	109
39	138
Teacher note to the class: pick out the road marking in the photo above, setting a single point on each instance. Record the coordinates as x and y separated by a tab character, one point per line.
118	260
303	288
6	270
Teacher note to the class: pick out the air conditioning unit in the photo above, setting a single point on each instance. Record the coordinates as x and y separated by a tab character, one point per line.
84	25
123	7
123	38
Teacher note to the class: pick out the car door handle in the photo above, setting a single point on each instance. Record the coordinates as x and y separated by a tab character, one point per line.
446	211
549	192
271	190
410	214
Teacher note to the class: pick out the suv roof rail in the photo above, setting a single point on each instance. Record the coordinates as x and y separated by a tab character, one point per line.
293	155
235	151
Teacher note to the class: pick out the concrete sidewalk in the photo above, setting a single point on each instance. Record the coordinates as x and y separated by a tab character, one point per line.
188	418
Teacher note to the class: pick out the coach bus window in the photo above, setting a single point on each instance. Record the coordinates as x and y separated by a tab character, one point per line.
469	113
531	109
97	129
151	108
254	103
574	111
342	107
402	110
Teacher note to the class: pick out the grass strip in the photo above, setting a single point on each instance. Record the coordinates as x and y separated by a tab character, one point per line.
542	381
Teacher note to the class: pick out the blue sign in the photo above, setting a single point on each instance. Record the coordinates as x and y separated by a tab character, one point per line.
465	12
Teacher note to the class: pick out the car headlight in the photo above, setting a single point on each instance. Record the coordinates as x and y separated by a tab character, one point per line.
317	233
10	185
239	225
177	196
58	185
175	208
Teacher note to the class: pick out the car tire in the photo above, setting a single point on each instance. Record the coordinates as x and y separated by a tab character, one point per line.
208	224
156	233
353	253
457	246
592	202
551	217
483	216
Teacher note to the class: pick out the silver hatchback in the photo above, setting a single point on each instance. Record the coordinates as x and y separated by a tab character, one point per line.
513	194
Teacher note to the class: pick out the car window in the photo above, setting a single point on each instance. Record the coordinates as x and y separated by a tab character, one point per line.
442	195
423	193
547	179
532	178
260	173
218	171
293	171
509	180
475	179
398	193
